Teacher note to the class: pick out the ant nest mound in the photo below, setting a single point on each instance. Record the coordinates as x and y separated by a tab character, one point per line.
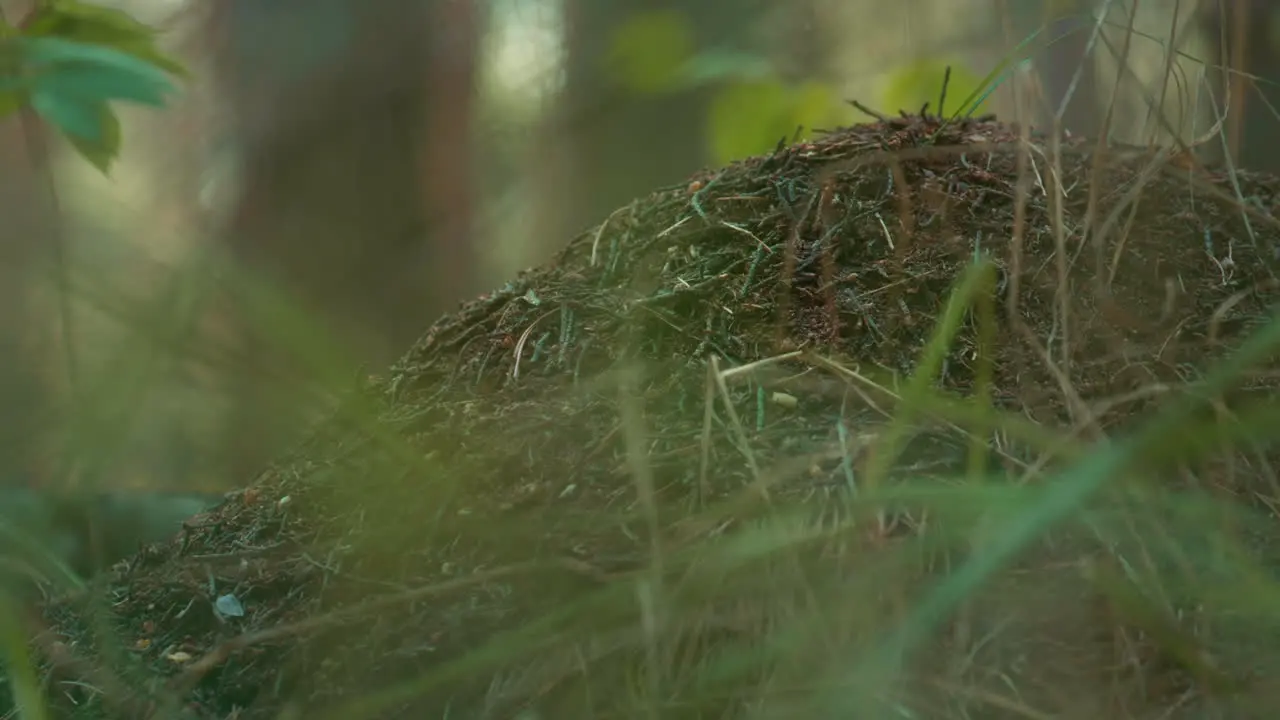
554	501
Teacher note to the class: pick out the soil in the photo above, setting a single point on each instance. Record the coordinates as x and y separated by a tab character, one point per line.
473	535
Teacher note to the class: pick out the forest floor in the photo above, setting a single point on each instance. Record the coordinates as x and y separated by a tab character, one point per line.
756	446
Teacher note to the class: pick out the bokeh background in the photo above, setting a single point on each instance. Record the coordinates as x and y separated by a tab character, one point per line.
372	164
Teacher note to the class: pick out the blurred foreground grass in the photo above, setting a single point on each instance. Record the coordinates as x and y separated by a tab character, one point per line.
834	607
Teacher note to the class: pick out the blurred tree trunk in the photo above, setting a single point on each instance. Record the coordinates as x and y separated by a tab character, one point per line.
29	228
604	145
446	159
812	33
1070	75
1065	69
353	123
1244	35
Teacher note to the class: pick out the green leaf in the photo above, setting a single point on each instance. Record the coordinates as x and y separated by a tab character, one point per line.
101	84
748	118
647	52
97	25
50	51
69	83
71	60
920	82
101	153
714	66
817	105
72	115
